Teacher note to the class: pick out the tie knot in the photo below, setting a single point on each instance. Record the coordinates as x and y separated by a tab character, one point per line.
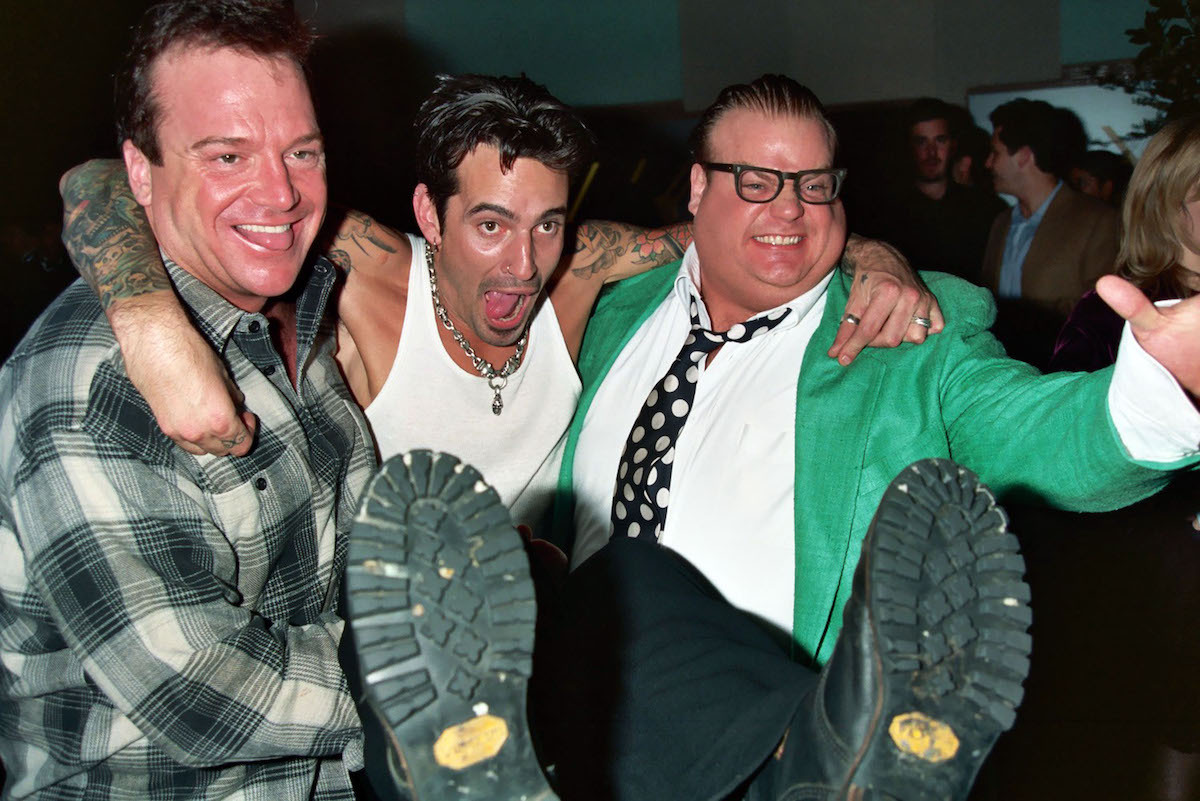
702	340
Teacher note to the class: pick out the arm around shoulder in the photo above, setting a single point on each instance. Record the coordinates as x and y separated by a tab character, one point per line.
110	242
356	241
609	251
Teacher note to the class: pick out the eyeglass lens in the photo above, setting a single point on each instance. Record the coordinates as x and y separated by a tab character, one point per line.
758	186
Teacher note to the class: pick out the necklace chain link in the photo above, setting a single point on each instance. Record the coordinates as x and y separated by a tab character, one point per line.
496	379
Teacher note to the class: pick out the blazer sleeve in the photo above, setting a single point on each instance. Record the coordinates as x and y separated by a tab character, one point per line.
1046	439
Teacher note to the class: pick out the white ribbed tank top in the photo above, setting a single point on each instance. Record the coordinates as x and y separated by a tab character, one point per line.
428	401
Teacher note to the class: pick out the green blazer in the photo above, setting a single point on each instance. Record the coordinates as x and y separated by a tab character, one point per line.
1031	437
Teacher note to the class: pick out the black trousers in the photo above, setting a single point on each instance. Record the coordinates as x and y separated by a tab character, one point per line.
649	685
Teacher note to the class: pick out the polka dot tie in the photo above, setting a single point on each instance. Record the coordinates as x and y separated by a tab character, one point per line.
643	487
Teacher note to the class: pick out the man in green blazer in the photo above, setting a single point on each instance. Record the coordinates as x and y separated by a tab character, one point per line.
784	457
1031	437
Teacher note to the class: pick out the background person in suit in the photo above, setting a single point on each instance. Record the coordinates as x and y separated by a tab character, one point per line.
1055	242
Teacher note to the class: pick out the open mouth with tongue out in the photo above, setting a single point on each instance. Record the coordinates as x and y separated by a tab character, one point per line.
505	309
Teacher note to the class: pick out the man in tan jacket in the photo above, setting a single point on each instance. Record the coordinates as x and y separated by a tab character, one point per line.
1055	242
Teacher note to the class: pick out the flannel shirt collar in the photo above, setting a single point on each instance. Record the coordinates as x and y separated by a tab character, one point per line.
218	319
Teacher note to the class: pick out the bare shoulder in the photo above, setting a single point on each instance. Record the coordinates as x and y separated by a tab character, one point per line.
371	304
355	241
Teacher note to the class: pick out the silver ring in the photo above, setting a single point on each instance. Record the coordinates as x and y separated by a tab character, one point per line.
851	318
924	322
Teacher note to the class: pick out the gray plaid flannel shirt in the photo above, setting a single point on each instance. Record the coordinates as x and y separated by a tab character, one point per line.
168	623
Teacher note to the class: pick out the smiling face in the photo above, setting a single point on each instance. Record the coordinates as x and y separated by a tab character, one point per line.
498	241
756	256
931	148
240	193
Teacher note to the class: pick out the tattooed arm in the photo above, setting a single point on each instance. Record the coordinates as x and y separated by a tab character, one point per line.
606	252
360	241
886	296
611	251
109	239
107	234
374	260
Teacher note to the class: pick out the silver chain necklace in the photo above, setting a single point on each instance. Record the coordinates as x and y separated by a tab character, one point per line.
496	379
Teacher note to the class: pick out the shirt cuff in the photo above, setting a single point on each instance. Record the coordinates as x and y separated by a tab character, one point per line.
1153	415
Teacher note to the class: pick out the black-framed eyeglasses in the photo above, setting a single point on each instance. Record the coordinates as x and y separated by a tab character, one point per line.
762	185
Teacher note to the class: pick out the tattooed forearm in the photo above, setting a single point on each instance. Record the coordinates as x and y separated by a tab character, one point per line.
662	245
598	245
107	235
618	250
359	235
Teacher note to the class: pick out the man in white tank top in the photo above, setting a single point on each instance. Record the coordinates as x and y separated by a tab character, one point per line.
494	160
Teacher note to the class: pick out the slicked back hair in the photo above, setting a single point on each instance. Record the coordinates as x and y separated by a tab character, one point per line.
518	117
266	28
1166	178
776	95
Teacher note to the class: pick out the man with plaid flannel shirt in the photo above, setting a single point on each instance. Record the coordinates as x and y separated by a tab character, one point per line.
168	621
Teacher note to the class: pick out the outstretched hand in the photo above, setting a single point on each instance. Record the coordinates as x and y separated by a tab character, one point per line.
194	400
886	298
1171	334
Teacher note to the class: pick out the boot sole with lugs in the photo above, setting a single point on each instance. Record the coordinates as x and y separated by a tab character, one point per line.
951	613
442	611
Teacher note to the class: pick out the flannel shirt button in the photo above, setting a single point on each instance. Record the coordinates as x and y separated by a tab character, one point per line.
268	371
260	483
254	327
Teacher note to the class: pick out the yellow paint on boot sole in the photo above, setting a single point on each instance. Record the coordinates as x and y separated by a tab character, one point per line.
469	743
923	737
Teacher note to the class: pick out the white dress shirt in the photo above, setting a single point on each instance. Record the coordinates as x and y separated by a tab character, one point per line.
731	510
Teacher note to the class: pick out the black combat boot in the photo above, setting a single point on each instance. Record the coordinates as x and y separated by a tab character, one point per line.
927	670
442	612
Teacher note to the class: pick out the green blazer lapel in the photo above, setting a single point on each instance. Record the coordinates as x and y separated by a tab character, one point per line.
834	409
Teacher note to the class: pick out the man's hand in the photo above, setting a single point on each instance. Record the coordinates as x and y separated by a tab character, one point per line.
1171	334
888	299
194	400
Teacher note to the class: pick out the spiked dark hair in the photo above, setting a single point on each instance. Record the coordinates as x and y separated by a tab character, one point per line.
518	117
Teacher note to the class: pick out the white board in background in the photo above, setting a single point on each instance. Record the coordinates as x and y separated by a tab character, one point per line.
1097	106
